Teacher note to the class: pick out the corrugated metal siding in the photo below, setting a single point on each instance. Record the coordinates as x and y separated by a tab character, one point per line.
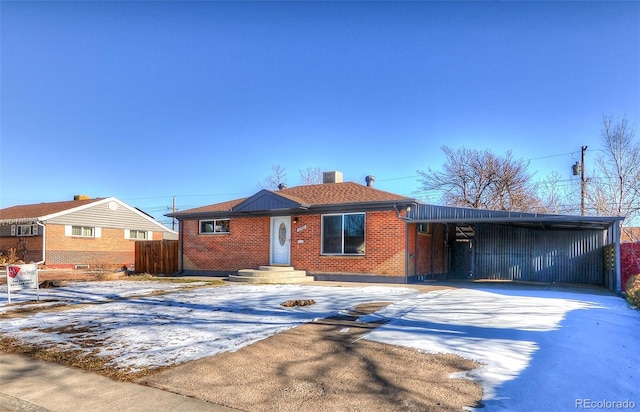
563	256
433	212
101	215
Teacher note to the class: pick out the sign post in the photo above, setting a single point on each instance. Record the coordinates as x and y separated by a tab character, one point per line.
22	277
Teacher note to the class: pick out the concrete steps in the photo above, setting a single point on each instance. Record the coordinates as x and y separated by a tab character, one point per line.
271	274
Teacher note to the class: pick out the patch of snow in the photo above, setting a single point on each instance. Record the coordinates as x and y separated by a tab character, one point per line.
540	350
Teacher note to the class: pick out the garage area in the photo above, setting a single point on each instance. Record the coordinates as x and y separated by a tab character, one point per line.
498	245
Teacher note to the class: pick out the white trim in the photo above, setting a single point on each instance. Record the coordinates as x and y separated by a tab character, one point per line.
148	234
273	236
68	231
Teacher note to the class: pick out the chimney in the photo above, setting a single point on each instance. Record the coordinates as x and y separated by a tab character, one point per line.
332	177
81	197
370	179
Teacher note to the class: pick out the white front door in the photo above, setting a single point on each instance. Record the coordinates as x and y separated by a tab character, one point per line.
281	240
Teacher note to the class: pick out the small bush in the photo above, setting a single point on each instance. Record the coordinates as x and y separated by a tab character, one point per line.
633	290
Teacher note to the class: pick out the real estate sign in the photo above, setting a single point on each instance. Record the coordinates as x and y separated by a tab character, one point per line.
21	277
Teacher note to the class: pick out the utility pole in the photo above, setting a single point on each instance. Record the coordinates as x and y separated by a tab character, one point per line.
173	209
582	182
578	168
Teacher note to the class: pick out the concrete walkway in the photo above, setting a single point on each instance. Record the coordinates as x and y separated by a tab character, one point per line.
33	385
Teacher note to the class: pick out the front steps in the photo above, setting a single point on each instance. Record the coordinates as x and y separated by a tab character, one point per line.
271	274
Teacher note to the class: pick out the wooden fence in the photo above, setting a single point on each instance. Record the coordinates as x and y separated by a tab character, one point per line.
157	256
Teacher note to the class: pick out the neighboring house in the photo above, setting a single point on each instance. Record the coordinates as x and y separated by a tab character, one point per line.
349	231
80	233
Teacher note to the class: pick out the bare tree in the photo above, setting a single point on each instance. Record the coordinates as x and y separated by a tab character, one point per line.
482	180
278	177
555	197
614	189
311	176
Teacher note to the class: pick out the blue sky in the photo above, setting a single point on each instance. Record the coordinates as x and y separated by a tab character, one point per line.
147	100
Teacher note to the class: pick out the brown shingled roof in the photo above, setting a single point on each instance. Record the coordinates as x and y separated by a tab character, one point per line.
218	207
336	193
317	195
41	209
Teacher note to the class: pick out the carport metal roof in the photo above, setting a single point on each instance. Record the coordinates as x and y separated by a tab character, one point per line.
425	213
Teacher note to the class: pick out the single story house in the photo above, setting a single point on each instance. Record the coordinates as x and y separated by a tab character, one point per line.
79	233
349	231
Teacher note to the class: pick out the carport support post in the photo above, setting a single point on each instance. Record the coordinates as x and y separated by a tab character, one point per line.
616	236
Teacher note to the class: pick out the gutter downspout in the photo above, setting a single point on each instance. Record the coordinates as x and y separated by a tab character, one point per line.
44	242
406	251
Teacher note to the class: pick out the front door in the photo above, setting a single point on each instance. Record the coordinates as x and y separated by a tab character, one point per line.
281	240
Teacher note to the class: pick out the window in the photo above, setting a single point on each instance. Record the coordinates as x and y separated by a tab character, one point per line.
24	230
424	228
82	231
214	226
138	234
343	234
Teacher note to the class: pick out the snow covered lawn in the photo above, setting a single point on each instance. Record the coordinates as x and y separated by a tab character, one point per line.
541	350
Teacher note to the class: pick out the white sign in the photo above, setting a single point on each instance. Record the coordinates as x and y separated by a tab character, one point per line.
22	277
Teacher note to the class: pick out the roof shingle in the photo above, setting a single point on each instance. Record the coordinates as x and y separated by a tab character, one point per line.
317	195
42	209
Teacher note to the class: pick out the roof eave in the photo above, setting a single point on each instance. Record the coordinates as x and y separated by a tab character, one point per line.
19	221
302	209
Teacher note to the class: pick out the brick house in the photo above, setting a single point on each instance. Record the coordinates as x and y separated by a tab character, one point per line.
350	231
330	230
78	233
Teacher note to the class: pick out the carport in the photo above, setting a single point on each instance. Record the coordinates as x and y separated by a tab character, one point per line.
487	244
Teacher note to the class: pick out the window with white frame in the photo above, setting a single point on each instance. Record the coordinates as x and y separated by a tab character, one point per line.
83	231
138	234
343	234
24	230
214	226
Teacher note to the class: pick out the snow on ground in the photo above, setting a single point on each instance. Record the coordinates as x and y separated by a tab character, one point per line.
154	331
541	350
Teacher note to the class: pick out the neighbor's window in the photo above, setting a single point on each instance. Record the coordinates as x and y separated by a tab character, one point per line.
82	231
26	230
343	234
138	234
214	226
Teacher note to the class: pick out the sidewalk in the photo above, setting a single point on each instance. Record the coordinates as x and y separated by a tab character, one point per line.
28	384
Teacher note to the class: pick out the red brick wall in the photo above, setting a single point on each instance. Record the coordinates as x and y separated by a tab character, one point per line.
246	246
432	255
67	251
384	242
33	244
